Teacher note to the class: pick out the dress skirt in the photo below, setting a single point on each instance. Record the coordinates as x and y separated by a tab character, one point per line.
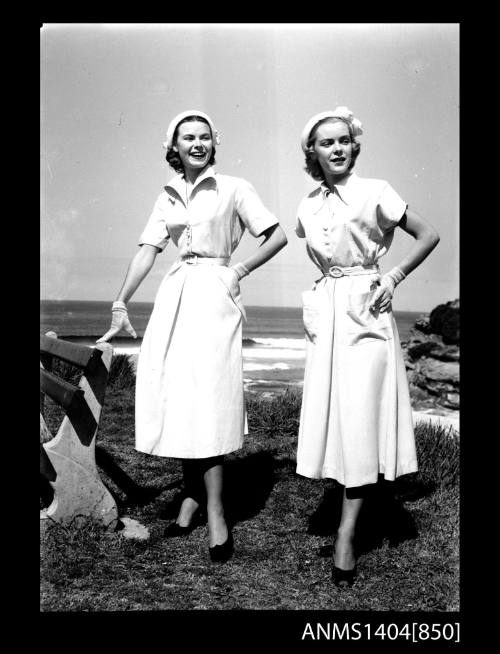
356	417
189	385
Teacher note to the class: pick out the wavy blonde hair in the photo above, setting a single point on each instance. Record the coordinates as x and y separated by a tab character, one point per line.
312	166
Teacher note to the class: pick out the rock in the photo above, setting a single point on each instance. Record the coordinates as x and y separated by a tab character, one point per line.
445	320
134	529
439	388
432	356
422	349
445	352
422	324
417	394
416	338
411	376
451	401
451	329
426	401
439	371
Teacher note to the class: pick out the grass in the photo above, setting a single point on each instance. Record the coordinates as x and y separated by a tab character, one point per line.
408	529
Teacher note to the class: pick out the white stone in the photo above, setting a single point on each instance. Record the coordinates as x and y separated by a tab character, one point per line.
133	529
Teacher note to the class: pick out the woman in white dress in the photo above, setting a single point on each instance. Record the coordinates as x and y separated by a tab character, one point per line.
356	419
189	385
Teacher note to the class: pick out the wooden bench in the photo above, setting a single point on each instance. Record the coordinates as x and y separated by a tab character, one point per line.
68	460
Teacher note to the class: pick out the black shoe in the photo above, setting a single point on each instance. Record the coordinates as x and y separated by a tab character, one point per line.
174	530
221	553
343	578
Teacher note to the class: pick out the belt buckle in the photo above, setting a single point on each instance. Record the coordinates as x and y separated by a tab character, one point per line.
191	259
335	271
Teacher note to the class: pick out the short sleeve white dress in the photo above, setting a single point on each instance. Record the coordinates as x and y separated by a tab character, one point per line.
189	385
356	419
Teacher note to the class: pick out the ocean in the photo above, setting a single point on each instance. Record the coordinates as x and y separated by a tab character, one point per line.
273	337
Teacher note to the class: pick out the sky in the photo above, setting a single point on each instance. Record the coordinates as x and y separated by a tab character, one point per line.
108	92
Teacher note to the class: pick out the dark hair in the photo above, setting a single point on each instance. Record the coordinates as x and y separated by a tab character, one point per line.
312	166
173	157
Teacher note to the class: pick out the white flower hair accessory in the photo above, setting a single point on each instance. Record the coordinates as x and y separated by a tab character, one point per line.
184	114
339	112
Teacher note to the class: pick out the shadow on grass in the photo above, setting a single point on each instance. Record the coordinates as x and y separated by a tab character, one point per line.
382	517
248	482
134	493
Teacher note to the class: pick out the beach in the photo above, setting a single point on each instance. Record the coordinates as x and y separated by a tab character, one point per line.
273	337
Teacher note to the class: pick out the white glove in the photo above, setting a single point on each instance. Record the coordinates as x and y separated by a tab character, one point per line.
241	270
388	282
119	322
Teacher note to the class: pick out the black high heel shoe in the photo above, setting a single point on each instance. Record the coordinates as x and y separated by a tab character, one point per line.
174	530
222	553
343	578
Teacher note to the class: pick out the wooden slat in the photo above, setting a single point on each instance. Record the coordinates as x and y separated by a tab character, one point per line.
60	391
97	379
46	360
80	356
82	420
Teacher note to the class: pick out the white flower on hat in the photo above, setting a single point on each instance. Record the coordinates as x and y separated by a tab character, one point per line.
344	112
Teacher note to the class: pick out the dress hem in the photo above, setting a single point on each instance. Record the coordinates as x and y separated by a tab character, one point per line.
189	456
329	473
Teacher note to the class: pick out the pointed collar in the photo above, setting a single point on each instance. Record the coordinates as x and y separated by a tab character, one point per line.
178	183
343	189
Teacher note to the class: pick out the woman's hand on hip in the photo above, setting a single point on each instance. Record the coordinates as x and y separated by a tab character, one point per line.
383	297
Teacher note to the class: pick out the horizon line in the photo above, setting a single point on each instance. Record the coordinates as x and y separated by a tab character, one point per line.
247	306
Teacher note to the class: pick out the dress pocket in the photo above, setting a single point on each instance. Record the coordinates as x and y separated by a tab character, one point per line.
366	325
231	282
310	314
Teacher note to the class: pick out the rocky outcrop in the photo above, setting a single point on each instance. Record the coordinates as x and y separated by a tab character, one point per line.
443	320
432	357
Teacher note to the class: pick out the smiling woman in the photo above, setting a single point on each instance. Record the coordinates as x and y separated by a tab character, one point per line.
189	385
194	145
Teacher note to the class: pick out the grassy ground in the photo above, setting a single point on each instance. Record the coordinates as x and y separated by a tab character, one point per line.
408	529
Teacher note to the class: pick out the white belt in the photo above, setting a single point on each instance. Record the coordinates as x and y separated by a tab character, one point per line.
194	259
338	271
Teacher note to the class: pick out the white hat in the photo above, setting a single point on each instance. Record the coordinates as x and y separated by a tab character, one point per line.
193	112
339	112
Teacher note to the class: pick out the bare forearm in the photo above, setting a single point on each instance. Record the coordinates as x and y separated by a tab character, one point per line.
275	240
420	250
138	268
426	239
